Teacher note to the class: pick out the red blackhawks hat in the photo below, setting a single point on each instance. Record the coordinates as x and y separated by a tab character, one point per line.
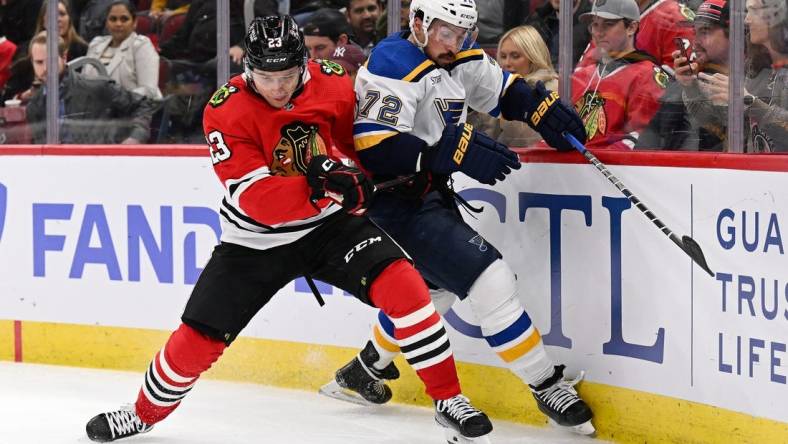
714	12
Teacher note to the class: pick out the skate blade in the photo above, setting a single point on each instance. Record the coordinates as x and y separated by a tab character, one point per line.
454	437
334	390
585	429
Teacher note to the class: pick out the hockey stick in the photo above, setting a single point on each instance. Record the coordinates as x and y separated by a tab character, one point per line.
380	186
686	243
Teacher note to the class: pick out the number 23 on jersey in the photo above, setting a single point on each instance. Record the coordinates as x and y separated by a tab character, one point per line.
219	150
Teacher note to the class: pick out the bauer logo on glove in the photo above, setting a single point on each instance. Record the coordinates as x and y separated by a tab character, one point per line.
462	146
543	107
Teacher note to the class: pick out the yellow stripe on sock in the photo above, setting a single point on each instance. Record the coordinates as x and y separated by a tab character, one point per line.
383	342
522	348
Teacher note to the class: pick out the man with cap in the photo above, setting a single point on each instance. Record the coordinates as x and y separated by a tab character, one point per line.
618	95
326	29
708	68
661	22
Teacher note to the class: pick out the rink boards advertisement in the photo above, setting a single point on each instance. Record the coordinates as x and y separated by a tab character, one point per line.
119	241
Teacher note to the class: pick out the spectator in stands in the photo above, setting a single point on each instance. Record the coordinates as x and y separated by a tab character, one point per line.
7	51
77	47
382	27
91	18
22	81
191	53
766	94
324	31
18	20
661	23
545	20
362	16
350	57
521	51
130	59
618	96
91	110
710	66
161	10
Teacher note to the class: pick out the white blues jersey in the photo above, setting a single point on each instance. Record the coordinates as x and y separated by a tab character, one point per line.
400	90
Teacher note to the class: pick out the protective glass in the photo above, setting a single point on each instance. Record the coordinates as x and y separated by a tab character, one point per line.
451	35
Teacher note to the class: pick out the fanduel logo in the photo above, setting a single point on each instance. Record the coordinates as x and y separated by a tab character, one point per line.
3	202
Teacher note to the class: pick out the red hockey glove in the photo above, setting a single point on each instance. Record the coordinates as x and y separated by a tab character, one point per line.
346	186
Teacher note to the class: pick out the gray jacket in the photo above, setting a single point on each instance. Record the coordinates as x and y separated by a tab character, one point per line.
134	66
768	114
93	111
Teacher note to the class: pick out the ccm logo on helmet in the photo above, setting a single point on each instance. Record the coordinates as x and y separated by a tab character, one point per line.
462	147
360	246
536	117
276	60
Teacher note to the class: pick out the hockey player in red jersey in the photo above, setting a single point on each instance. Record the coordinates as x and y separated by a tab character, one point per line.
661	23
618	95
290	209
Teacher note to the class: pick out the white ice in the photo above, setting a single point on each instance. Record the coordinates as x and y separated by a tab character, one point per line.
45	404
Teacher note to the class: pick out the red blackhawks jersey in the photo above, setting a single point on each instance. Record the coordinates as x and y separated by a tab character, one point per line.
617	100
660	24
260	154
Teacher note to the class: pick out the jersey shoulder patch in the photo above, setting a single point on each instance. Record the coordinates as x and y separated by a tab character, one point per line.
330	68
397	58
222	95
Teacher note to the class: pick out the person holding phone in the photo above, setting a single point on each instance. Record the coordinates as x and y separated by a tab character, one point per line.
702	77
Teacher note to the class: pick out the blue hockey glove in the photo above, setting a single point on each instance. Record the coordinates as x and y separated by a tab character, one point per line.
462	148
551	117
347	186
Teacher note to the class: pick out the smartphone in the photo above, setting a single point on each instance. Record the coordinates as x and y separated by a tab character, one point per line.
685	47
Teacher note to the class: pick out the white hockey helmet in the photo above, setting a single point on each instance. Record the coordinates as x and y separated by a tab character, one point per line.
460	13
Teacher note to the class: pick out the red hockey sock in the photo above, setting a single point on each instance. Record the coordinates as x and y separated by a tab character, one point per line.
402	294
173	372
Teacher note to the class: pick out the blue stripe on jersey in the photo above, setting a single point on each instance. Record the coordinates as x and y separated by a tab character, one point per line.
497	110
361	128
511	332
386	323
396	58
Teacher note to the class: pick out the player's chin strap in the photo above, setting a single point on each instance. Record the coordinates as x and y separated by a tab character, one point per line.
416	39
315	292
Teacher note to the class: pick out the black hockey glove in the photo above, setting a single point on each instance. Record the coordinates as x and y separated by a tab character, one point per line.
462	148
551	117
347	186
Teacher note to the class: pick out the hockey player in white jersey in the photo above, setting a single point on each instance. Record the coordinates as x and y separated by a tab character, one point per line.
413	97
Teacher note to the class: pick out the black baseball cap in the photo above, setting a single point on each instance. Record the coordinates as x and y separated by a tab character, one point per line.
327	22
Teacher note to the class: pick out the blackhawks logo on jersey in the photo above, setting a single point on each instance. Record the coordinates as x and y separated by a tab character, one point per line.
222	94
331	68
591	109
661	77
299	143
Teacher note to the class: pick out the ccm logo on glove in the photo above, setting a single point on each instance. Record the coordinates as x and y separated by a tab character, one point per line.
462	146
545	105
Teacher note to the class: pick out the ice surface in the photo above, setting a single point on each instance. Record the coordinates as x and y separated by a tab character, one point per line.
51	404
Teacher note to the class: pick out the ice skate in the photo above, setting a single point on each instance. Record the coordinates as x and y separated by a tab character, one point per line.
557	398
462	422
111	426
360	382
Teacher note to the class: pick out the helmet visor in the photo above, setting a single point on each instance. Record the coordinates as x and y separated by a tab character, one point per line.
287	80
452	36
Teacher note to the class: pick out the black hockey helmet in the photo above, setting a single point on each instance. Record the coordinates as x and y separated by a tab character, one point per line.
274	43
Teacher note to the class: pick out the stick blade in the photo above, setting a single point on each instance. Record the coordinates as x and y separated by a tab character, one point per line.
694	251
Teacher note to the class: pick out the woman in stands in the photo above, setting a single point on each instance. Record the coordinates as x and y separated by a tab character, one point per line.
130	58
766	100
77	47
521	51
